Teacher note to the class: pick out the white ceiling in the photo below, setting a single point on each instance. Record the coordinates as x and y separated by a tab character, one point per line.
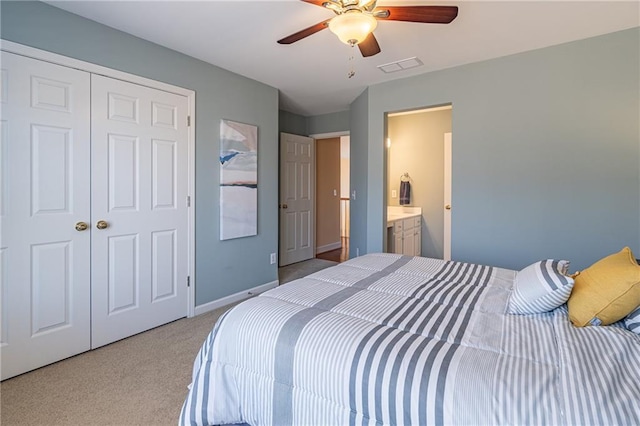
311	74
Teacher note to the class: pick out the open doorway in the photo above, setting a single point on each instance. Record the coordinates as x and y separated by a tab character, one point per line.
332	198
418	150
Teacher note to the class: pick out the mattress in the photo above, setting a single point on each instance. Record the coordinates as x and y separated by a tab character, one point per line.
397	340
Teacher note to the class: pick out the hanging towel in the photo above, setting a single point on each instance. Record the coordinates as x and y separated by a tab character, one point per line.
405	193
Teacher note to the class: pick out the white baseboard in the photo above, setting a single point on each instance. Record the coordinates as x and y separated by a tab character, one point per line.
201	309
329	247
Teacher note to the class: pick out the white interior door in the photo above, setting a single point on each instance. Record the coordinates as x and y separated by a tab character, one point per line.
447	196
139	208
45	261
297	184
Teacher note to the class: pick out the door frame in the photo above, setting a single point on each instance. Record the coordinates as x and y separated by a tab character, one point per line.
54	58
316	137
448	164
447	159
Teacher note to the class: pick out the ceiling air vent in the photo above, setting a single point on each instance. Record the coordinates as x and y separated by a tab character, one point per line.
402	64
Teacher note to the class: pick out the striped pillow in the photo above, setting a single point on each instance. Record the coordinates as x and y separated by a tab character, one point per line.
540	287
632	321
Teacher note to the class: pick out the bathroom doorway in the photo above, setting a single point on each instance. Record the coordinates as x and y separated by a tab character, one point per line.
419	151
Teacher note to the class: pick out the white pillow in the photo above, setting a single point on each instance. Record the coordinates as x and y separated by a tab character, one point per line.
632	321
540	287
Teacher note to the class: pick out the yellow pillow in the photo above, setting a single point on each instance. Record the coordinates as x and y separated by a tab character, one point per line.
606	291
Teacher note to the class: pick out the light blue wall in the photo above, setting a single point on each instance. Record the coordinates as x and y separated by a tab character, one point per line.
358	174
546	152
328	123
221	267
314	124
292	123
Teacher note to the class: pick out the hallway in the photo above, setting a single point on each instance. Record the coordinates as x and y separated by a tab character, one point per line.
337	255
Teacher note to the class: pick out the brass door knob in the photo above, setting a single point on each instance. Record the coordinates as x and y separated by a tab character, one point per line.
284	206
102	224
81	226
448	207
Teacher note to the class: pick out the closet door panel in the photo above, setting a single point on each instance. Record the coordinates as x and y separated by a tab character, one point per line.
139	190
45	157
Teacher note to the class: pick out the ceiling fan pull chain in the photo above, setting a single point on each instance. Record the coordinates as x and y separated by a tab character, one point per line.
351	72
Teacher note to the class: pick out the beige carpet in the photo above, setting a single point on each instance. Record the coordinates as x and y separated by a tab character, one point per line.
302	269
141	380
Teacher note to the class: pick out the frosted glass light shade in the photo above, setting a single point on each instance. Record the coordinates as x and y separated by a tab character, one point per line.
352	27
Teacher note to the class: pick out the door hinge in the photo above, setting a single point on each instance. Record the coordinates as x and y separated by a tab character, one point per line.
188	281
188	121
188	201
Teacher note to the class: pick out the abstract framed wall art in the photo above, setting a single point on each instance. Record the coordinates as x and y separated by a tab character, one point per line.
238	180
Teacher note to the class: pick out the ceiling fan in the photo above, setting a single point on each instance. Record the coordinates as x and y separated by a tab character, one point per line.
355	21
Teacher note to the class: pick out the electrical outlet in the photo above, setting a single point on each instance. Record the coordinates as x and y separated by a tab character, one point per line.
357	252
353	194
394	193
273	258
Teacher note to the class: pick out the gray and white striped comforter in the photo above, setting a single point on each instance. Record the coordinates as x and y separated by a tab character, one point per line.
390	339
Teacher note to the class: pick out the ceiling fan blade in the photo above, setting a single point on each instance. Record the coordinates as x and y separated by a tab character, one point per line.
305	33
425	14
369	46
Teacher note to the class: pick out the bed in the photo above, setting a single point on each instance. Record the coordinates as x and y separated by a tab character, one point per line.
398	340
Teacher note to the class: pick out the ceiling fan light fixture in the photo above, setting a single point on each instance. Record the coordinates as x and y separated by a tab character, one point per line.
353	27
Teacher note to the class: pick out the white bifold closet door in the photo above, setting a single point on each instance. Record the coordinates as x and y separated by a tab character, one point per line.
46	262
139	192
81	149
